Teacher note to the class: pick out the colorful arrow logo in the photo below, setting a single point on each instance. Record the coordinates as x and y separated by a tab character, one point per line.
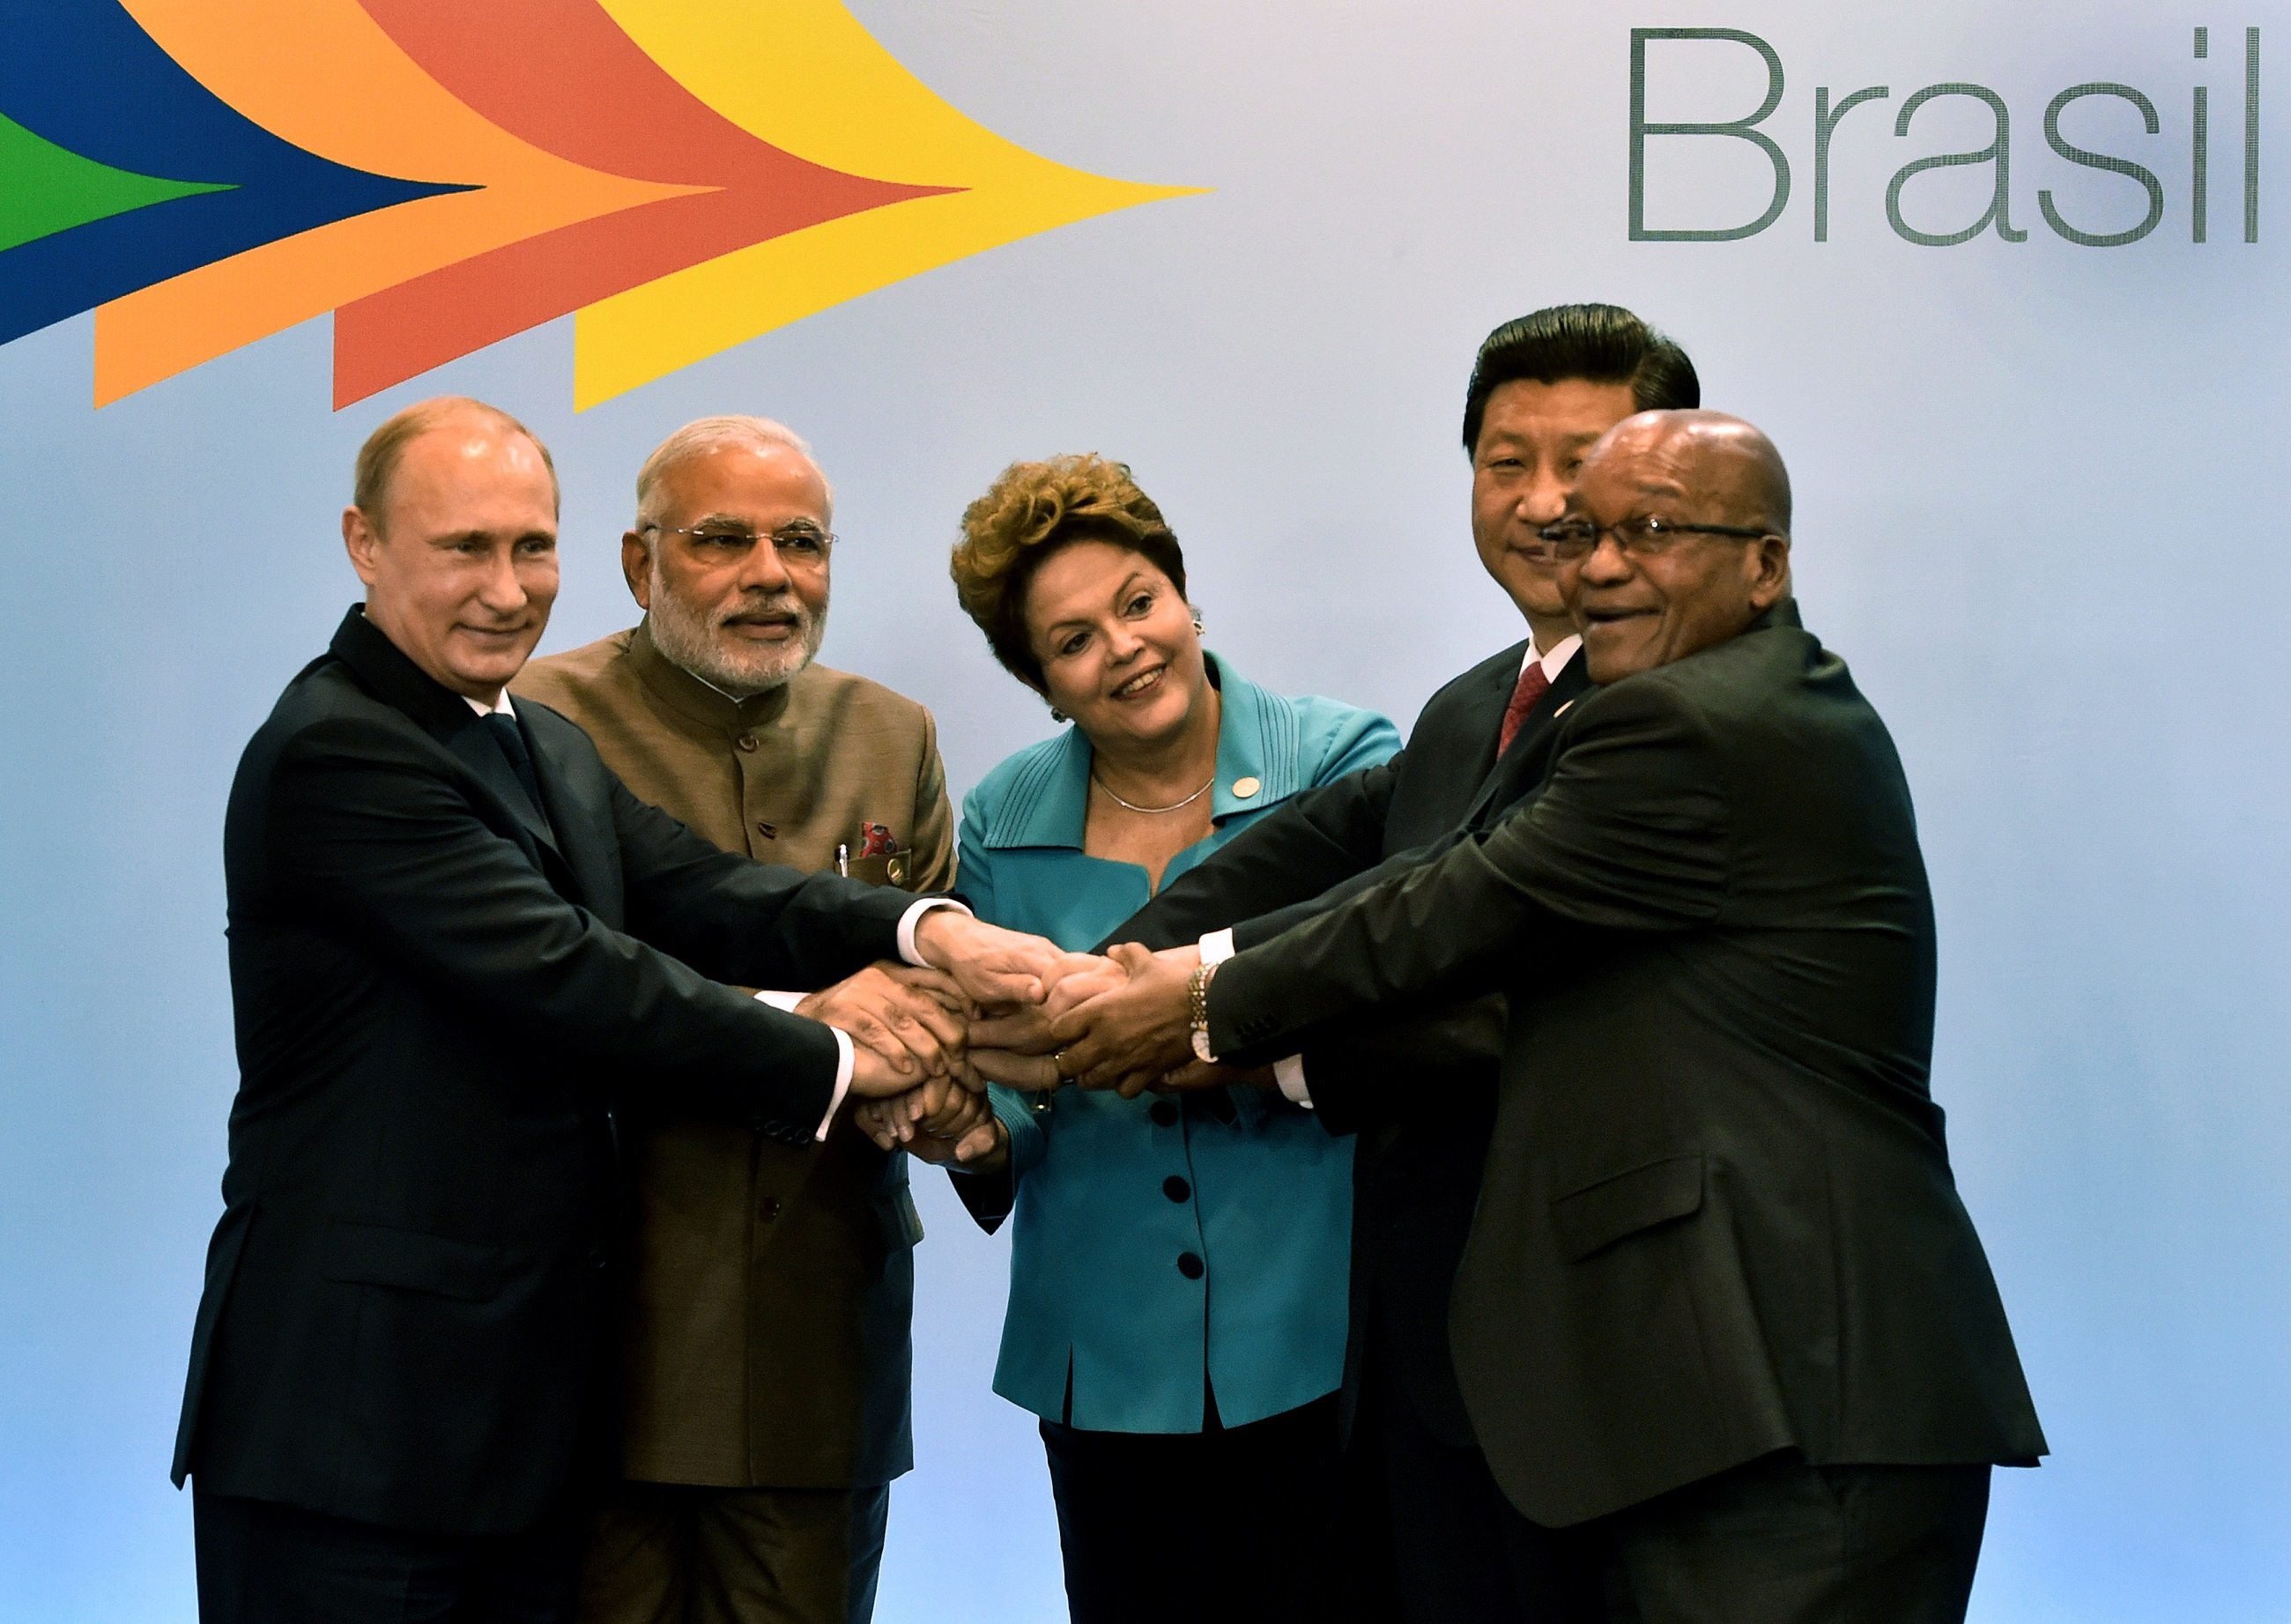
681	175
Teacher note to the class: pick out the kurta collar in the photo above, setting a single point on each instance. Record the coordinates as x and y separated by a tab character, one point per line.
697	702
1257	747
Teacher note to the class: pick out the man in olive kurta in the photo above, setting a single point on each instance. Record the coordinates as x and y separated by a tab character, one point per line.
766	1397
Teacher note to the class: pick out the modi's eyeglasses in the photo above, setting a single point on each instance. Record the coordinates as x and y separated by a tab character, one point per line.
796	543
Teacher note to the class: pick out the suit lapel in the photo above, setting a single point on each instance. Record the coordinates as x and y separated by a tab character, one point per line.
473	747
1480	718
1522	764
448	720
580	810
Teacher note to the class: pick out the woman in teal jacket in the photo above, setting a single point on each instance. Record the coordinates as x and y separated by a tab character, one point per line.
1179	1264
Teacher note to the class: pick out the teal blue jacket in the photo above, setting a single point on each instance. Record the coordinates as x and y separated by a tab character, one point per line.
1150	1246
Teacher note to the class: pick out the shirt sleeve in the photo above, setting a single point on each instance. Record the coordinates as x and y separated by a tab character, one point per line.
913	917
845	1058
1216	947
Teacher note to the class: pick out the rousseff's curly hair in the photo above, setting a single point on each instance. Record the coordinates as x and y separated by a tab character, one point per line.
1031	512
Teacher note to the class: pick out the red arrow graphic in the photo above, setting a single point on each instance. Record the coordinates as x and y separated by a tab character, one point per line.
561	75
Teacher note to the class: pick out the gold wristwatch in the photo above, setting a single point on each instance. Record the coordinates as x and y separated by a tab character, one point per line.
1197	1003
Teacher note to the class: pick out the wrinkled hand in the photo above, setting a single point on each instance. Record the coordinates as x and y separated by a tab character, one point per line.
940	1121
914	1020
1130	1037
990	964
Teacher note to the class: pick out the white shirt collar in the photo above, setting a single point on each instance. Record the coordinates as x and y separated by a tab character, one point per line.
500	706
1555	661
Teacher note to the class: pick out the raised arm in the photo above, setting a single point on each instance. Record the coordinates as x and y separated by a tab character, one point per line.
1628	834
1291	854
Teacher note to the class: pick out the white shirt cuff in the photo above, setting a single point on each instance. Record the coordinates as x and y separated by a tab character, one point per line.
913	917
844	1055
1216	947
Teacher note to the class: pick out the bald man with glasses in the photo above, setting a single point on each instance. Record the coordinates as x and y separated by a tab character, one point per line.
1723	1326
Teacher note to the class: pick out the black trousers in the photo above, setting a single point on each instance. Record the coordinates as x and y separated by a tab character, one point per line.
1255	1524
870	1519
265	1564
1778	1541
1775	1541
1461	1555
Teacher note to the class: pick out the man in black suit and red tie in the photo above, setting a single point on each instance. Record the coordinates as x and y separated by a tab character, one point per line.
1723	1327
1544	388
455	938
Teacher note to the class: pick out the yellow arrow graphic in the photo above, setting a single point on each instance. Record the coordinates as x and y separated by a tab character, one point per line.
806	76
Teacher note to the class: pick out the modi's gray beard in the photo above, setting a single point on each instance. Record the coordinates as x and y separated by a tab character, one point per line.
691	641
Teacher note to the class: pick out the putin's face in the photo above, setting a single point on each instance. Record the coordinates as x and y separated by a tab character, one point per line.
460	565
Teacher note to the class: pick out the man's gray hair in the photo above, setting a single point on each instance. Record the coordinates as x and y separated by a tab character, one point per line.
701	436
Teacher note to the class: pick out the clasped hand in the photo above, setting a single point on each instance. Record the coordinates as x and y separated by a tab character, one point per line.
1013	1010
1120	1022
912	1075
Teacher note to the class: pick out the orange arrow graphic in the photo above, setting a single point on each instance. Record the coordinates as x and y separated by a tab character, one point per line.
586	91
323	75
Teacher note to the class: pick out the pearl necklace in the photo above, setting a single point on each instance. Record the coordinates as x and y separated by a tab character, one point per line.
1132	806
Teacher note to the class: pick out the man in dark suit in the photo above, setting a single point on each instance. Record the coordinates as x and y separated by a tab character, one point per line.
454	935
1543	388
1722	1312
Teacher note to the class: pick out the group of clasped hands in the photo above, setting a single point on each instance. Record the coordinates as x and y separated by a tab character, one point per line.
1028	1015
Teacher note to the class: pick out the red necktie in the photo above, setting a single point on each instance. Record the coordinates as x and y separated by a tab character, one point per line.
1532	686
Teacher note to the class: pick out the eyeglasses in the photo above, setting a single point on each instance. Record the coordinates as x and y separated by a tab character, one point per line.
797	544
1646	538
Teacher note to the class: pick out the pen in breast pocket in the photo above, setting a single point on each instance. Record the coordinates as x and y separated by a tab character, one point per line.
843	859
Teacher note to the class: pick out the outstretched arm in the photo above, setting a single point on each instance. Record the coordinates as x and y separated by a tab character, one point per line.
1291	854
1628	834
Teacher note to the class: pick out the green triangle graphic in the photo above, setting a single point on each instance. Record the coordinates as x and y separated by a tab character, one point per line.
45	189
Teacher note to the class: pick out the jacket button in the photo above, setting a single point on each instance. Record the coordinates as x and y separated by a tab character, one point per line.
1164	1113
596	1259
747	741
1190	1266
770	1209
1177	1188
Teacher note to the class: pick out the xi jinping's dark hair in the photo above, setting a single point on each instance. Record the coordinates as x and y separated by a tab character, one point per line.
1599	343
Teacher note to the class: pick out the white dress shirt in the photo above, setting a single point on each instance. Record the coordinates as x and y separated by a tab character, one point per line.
1218	947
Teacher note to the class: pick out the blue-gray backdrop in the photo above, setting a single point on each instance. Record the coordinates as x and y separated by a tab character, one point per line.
2038	489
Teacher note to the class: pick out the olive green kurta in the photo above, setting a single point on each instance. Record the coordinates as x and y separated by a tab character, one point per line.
764	1344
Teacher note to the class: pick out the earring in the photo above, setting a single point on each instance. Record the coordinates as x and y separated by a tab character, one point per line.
1198	627
1057	715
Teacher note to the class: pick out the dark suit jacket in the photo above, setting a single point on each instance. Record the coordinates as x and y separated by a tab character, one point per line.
1416	1170
434	991
1717	1219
